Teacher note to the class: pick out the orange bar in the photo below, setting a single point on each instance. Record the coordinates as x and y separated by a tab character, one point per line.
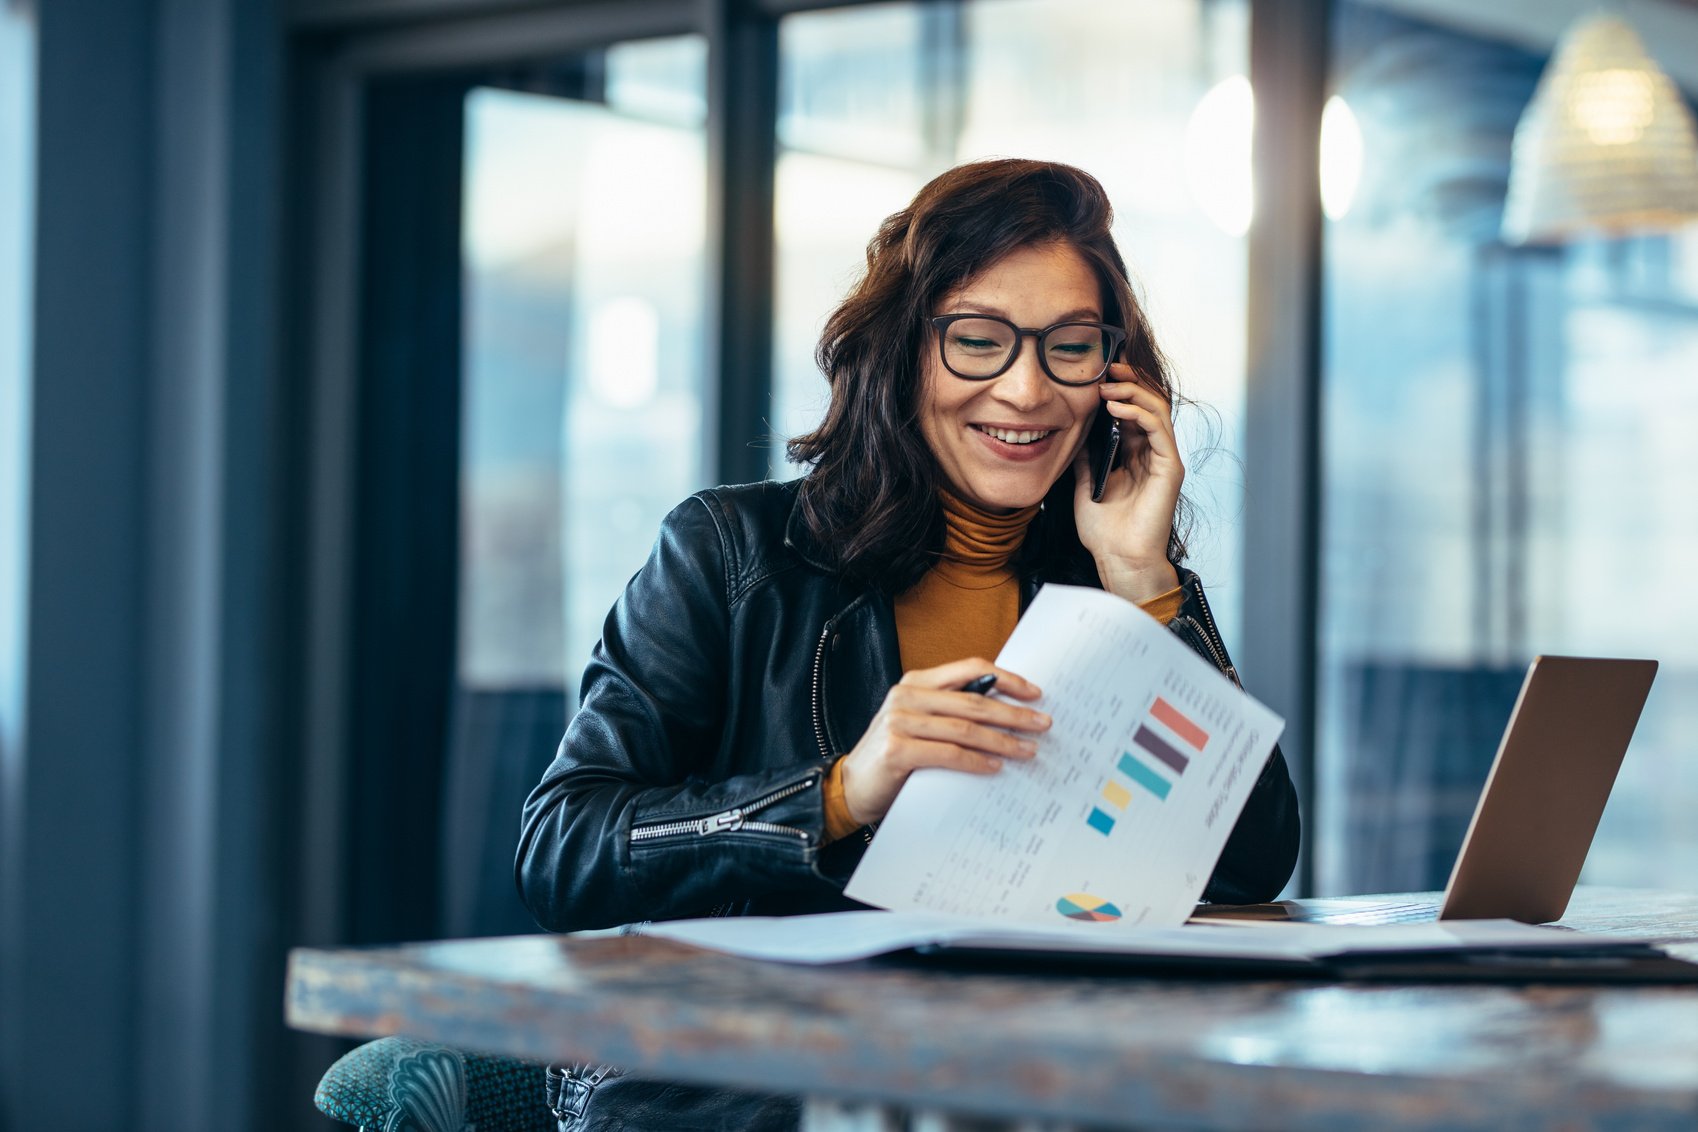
1179	724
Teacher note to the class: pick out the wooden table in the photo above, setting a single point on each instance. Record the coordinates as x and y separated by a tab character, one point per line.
893	1045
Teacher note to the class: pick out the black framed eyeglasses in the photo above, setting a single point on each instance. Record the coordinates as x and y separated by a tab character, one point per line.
978	347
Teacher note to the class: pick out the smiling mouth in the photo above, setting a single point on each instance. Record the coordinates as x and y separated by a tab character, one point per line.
1015	436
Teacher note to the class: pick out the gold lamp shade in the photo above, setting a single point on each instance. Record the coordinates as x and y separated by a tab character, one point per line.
1606	144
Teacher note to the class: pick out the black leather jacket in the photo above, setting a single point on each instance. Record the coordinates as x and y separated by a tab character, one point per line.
730	674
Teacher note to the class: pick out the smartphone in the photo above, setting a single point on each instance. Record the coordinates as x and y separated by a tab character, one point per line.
1103	448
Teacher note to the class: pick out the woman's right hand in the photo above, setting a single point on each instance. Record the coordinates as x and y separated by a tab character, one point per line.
926	720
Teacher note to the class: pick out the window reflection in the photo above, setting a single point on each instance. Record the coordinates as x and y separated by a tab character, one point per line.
583	354
1503	462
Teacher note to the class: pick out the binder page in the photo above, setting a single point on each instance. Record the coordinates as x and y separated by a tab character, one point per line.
840	937
1119	819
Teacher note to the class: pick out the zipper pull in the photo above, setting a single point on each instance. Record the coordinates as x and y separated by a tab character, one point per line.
719	823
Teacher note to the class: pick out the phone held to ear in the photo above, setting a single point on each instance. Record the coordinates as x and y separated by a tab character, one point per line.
1103	446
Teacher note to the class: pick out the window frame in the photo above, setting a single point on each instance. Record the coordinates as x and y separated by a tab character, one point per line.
344	47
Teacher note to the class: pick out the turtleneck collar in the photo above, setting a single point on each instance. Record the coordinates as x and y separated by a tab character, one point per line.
977	543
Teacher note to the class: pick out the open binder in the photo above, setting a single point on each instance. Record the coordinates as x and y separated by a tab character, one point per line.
1447	951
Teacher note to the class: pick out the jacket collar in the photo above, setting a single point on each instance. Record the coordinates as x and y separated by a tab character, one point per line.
799	540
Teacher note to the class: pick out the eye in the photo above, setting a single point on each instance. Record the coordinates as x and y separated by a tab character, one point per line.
1073	343
966	342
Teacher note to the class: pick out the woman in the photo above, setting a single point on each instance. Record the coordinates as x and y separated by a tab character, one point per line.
791	652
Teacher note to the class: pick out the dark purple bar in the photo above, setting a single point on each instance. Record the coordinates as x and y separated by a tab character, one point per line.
1161	749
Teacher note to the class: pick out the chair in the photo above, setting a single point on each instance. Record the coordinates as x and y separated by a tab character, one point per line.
402	1085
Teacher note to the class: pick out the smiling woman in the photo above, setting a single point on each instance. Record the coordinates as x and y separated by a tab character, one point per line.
1000	426
791	653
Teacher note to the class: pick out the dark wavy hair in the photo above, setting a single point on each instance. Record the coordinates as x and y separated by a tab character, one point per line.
871	500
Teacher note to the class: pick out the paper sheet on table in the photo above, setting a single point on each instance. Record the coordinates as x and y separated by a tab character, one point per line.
1119	819
839	937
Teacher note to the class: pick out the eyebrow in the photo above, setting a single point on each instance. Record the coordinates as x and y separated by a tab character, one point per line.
1080	314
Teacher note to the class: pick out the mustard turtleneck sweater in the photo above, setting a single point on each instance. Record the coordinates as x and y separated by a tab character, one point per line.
966	605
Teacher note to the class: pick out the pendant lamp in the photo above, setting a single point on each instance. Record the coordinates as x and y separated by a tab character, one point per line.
1607	144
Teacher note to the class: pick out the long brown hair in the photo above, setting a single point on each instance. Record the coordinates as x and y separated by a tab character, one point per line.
871	501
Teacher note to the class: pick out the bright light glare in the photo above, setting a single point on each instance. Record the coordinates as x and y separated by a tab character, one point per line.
1341	157
624	352
1217	154
1613	106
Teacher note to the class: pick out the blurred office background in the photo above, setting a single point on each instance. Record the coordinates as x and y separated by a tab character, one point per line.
351	351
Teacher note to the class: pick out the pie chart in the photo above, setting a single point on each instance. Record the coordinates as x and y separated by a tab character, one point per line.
1084	906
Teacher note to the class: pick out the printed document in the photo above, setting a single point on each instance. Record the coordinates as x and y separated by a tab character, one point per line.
1118	821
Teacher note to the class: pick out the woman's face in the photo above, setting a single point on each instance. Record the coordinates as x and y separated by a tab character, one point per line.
1002	443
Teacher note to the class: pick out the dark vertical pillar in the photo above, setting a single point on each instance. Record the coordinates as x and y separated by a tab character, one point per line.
140	898
321	311
741	159
216	583
406	573
68	869
1288	69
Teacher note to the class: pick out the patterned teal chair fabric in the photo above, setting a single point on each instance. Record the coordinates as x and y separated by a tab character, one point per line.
401	1085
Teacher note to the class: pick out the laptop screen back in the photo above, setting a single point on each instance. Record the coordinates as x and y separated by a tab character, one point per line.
1547	787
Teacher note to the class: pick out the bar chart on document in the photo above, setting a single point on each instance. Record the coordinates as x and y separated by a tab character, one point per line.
1122	814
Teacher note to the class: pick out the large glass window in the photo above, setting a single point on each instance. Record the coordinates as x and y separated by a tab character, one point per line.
1506	457
875	100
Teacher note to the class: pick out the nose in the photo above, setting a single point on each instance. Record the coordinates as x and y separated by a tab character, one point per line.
1024	386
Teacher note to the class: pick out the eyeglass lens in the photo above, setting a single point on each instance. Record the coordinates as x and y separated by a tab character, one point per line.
983	347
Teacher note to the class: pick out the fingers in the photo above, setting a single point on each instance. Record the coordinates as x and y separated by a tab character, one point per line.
1146	410
958	673
1152	426
963	708
1122	382
949	728
1126	388
936	736
914	736
926	720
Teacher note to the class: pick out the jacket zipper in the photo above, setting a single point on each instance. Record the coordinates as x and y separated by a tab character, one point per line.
819	713
1210	635
734	820
819	672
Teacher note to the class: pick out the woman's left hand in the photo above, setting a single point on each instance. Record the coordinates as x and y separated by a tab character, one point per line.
1127	531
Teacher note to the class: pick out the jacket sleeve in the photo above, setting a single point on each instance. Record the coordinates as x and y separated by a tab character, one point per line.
626	824
1261	850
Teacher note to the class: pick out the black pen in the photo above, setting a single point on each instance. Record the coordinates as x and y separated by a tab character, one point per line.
981	685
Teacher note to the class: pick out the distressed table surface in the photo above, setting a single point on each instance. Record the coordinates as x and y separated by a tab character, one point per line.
1094	1050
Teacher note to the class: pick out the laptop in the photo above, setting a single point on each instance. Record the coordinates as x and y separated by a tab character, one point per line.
1535	819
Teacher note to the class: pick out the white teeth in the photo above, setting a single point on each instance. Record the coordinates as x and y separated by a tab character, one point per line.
1010	436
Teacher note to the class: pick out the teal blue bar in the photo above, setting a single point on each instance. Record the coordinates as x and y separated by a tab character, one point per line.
1100	821
1144	776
